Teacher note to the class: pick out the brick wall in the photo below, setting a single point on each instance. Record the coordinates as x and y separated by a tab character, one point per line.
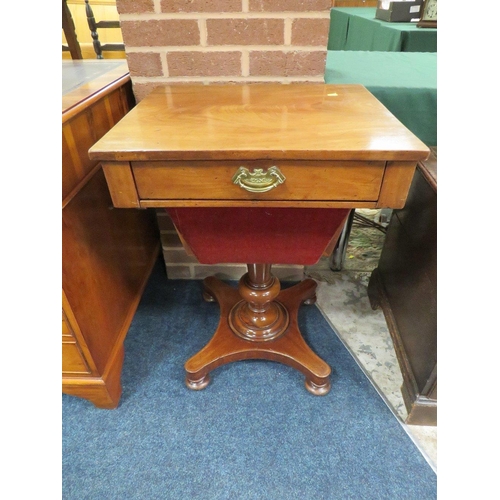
221	41
210	41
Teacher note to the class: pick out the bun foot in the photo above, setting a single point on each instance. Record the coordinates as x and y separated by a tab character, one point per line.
268	317
310	301
318	389
207	296
199	384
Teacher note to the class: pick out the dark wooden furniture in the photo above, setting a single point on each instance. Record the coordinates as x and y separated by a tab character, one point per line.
94	26
108	253
259	174
404	285
68	27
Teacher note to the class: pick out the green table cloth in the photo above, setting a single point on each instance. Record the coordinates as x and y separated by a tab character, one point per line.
404	82
357	29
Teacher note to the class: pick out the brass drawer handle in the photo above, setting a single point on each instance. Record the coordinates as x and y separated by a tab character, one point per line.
258	181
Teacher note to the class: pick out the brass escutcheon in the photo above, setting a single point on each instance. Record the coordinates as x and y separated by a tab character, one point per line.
258	181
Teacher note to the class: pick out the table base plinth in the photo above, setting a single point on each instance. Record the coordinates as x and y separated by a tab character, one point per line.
287	347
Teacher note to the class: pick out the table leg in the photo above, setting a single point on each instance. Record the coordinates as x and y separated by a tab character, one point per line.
259	321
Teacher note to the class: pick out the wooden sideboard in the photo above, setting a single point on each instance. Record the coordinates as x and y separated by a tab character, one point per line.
404	285
107	253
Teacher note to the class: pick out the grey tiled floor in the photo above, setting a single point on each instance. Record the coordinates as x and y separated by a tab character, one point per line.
343	300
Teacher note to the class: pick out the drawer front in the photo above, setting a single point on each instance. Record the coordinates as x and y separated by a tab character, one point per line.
72	359
305	181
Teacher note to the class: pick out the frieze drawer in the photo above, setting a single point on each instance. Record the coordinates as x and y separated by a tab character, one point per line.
241	180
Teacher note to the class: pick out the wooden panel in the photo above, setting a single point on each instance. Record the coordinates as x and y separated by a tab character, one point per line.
256	203
405	286
397	181
81	131
121	184
72	359
78	136
72	333
107	256
67	333
104	391
304	180
408	265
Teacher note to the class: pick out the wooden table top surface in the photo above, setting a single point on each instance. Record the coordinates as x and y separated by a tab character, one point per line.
259	121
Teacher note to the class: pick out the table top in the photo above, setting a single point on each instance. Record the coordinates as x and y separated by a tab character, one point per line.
259	121
81	79
358	29
407	85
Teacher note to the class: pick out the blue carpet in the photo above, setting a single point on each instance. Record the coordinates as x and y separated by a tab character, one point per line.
253	433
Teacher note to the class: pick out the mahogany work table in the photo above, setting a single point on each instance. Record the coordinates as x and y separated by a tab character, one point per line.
261	174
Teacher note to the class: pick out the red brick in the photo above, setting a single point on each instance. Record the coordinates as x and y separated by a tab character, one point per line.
204	63
296	63
144	64
176	32
201	5
246	31
135	6
289	5
310	32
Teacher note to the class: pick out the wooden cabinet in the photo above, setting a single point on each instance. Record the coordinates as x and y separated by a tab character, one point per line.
108	253
404	285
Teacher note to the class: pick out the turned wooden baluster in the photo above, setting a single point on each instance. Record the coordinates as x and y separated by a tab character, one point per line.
93	29
258	316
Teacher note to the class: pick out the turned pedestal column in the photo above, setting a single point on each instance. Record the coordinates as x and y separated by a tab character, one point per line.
259	321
